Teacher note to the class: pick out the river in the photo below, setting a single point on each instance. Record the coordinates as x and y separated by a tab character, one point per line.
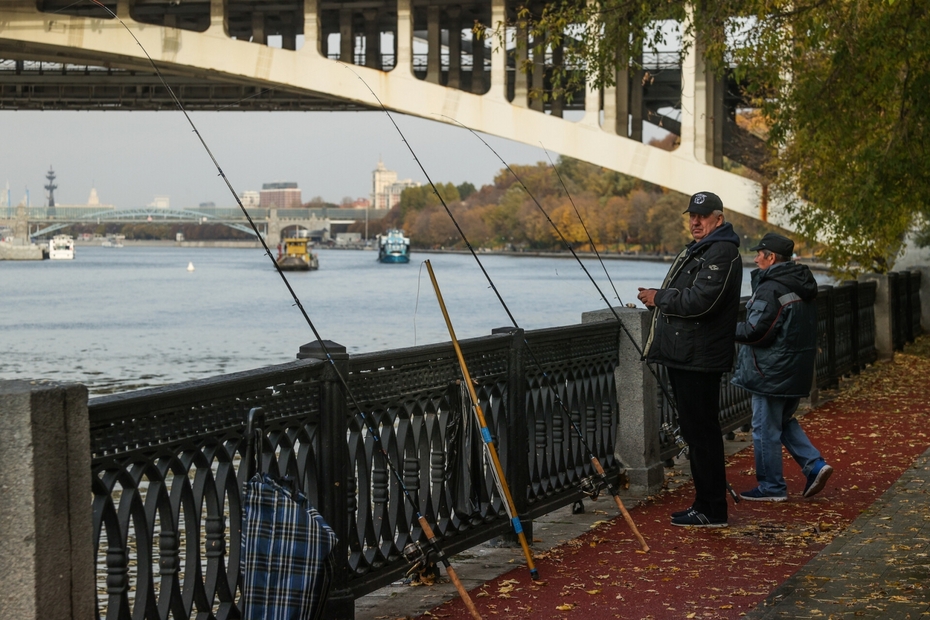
119	319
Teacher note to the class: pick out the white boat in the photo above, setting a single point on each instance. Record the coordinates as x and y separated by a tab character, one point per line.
112	242
61	247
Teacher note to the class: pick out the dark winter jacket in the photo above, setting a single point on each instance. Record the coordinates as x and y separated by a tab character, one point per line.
696	310
779	335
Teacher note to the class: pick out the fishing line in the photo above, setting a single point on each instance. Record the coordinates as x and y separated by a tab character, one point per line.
595	462
413	552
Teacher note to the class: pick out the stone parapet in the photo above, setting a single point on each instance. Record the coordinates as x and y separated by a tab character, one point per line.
46	535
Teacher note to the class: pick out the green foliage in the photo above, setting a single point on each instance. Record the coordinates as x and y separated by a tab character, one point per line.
842	84
466	189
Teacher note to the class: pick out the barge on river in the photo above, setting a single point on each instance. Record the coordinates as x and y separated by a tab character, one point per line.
295	255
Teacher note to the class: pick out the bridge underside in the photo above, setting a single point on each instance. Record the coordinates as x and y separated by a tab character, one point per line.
419	58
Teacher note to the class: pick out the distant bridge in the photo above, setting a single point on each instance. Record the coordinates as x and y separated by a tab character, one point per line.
292	55
43	221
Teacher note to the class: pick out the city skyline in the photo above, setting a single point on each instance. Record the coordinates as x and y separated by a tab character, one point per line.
130	158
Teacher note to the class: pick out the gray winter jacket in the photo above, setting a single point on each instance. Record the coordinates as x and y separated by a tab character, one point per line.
779	335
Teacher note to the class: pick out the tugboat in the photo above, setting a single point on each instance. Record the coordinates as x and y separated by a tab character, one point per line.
61	247
393	247
295	255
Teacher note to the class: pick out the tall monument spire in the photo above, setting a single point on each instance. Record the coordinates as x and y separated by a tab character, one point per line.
51	187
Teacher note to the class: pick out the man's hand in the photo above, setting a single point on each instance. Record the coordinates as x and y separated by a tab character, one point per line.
648	297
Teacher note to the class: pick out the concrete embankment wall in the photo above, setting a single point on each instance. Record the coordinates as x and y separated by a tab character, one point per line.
10	251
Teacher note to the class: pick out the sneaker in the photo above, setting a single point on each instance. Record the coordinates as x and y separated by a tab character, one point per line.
757	495
817	479
681	513
693	518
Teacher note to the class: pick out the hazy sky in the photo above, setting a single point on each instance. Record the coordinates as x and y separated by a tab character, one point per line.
132	157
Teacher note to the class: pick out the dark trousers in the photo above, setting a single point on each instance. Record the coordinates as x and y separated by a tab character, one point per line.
698	399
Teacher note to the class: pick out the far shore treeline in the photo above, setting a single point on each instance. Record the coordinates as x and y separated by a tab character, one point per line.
621	213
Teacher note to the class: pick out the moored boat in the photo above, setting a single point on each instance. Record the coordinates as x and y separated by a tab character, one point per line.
61	247
393	247
295	255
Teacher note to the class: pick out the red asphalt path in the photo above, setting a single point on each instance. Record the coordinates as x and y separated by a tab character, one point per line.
870	433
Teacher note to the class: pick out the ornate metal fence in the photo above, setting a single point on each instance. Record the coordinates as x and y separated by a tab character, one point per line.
845	345
167	481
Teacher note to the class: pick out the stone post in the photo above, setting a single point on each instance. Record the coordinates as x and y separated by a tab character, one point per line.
637	442
46	533
884	334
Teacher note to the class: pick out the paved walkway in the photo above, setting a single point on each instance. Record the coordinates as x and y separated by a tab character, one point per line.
860	549
878	568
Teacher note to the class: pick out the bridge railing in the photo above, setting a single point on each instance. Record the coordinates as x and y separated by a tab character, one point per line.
167	478
845	346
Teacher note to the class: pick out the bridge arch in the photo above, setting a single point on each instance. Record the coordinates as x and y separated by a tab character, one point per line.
220	58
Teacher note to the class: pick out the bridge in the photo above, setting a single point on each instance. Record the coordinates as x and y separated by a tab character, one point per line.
419	57
271	223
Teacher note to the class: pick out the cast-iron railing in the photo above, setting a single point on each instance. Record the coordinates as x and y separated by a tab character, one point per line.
167	481
845	345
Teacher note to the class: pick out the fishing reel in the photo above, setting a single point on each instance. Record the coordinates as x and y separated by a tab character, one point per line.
420	557
680	442
591	486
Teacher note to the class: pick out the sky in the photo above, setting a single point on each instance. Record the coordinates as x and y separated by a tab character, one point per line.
132	157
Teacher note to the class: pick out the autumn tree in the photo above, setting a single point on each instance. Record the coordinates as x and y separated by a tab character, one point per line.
842	86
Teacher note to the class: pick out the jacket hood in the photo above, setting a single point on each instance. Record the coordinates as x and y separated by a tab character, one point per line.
795	276
724	233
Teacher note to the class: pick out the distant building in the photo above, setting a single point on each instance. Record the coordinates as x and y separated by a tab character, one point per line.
250	198
280	195
385	187
160	202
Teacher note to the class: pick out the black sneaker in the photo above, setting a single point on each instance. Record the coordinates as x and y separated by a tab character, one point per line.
817	479
693	518
681	513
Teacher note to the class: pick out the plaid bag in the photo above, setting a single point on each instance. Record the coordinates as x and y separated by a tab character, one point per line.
286	546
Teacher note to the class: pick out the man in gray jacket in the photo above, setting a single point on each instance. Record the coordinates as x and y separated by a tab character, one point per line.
776	364
693	325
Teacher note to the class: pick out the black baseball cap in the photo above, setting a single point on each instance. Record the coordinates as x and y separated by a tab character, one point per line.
773	242
704	203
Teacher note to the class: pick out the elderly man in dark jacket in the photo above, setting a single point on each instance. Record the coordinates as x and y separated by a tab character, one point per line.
693	324
776	364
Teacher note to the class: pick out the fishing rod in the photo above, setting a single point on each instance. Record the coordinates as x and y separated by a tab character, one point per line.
497	471
679	441
586	485
414	551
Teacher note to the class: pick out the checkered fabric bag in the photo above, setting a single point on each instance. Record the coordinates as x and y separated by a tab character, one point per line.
286	548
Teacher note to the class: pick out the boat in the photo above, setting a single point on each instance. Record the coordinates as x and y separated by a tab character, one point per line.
112	242
393	247
61	247
294	254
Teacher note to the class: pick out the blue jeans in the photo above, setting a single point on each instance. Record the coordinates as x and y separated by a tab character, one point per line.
774	425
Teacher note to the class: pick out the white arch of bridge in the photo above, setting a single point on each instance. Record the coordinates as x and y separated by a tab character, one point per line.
214	55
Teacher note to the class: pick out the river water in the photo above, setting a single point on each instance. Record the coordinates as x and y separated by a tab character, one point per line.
118	319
